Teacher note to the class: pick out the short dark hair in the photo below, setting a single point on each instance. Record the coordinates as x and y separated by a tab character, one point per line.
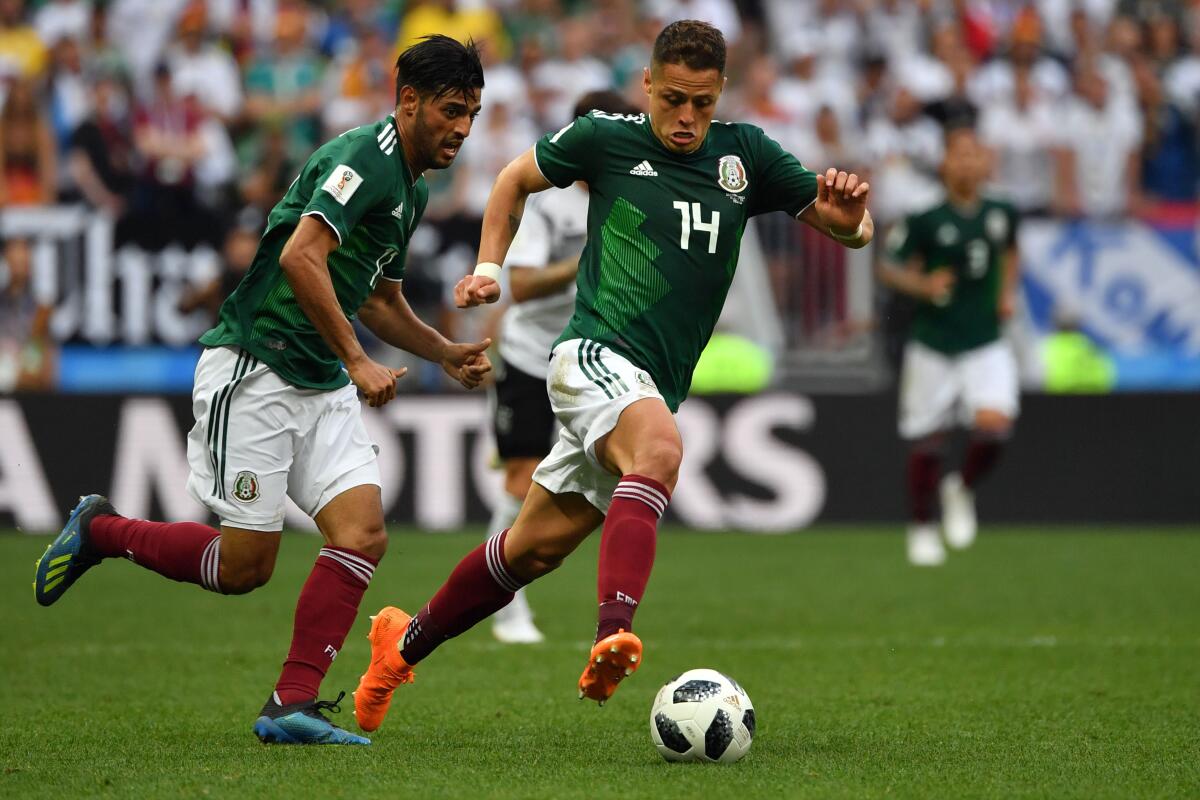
697	45
605	100
438	65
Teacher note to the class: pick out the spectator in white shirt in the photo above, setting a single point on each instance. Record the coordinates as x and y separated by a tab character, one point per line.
63	19
1098	149
995	81
572	73
1021	131
721	14
202	69
905	147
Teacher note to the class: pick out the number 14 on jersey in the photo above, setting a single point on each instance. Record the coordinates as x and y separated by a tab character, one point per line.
693	220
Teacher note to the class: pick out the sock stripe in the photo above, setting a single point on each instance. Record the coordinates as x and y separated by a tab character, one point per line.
657	496
359	568
210	566
362	562
635	491
495	565
648	485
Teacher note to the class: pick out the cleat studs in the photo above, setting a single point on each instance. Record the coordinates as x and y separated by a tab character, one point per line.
599	659
629	670
612	648
633	659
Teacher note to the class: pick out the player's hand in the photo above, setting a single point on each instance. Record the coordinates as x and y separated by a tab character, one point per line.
841	201
475	290
467	363
938	286
374	380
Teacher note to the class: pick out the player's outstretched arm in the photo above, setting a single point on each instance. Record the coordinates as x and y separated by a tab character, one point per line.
911	279
840	211
1011	284
387	314
304	264
501	219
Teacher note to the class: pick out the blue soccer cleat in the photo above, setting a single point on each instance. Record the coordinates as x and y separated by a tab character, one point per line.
69	555
302	723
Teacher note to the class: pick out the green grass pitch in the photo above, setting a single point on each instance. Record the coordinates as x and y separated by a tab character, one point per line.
1039	664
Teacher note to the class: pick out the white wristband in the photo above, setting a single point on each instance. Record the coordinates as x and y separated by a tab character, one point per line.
854	237
488	269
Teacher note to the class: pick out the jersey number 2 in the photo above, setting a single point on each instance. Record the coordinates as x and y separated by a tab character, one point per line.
693	220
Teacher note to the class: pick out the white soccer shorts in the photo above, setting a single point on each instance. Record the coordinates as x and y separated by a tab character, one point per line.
589	386
938	391
258	438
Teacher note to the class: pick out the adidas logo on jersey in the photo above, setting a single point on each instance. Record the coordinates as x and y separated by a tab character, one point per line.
644	169
398	212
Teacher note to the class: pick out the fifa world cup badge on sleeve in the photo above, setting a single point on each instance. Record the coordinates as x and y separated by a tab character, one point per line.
343	183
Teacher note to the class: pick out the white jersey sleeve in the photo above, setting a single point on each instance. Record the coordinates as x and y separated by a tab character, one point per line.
531	246
553	228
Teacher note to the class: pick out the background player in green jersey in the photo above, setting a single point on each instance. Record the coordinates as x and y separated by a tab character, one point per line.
959	260
275	398
670	194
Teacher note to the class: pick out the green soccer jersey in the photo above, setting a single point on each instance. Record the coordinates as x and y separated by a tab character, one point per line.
360	185
664	231
972	243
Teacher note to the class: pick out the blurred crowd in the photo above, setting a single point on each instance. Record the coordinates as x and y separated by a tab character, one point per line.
186	120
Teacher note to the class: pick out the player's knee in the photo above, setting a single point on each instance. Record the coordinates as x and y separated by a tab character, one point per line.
932	443
540	562
992	424
540	558
370	540
660	460
243	578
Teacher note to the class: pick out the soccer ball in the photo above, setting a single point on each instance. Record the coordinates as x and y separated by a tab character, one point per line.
702	715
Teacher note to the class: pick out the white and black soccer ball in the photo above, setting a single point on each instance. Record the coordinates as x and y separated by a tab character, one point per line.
702	715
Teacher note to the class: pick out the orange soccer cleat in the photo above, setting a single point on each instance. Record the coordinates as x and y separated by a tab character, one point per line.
386	671
613	659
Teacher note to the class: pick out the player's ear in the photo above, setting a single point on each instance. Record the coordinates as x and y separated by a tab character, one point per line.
409	101
646	80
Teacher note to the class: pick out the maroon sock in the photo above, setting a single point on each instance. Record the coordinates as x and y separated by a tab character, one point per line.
982	454
924	471
182	551
479	586
327	607
627	550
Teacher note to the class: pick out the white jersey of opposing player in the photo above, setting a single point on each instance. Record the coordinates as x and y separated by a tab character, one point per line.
553	228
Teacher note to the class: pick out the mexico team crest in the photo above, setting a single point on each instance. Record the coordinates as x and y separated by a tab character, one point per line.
245	487
731	174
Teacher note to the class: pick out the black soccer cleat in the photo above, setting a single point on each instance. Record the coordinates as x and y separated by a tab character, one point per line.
302	723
